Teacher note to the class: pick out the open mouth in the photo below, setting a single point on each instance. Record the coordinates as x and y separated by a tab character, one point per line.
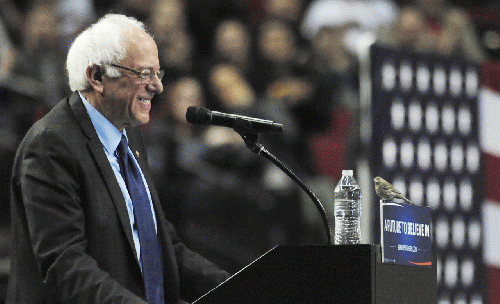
144	100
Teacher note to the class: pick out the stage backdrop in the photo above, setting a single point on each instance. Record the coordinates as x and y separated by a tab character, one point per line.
425	140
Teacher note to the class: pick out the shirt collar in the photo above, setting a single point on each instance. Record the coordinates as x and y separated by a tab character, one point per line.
109	135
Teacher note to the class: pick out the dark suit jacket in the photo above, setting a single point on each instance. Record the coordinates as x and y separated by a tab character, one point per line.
72	240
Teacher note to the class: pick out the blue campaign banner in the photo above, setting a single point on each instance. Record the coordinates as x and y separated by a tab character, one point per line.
405	234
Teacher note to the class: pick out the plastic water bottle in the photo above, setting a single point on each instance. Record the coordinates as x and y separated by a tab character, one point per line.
347	210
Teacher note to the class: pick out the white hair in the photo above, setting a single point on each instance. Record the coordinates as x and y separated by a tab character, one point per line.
101	44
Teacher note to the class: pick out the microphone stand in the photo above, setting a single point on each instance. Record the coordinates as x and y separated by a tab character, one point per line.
250	136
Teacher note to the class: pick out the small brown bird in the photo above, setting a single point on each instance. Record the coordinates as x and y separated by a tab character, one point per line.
387	192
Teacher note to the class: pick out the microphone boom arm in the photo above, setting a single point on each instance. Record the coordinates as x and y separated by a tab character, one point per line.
250	137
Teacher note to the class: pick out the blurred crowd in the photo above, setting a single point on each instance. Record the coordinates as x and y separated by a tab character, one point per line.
291	61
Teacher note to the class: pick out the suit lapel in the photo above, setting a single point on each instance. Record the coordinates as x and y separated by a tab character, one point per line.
97	151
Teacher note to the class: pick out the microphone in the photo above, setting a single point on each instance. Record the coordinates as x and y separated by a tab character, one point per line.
202	116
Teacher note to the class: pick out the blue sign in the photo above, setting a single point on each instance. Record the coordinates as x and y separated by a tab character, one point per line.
405	234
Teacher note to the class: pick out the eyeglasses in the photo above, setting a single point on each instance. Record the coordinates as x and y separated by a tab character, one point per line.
145	76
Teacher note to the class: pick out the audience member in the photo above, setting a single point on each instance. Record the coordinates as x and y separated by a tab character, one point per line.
233	93
168	17
286	74
434	26
450	30
204	15
173	143
233	44
140	9
407	33
41	57
329	47
7	52
74	16
362	19
289	11
176	45
11	16
339	67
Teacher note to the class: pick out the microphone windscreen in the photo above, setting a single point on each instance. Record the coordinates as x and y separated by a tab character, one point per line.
197	115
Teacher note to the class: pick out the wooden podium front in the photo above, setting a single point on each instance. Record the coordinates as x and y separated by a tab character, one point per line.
326	274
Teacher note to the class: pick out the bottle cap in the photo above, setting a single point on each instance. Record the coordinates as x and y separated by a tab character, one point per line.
347	172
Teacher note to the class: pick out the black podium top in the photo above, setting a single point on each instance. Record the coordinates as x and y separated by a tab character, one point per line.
326	274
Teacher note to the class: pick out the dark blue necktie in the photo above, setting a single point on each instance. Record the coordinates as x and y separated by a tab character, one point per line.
151	256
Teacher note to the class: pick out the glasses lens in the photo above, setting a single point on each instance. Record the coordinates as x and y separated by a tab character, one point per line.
160	74
150	76
145	76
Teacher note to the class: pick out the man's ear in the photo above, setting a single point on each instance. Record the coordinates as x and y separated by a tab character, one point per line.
94	76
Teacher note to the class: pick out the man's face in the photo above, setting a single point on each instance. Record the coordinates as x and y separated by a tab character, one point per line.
127	99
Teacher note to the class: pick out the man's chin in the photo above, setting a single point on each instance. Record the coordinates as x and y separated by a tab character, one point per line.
144	119
138	121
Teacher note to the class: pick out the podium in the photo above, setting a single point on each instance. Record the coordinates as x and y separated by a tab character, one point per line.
326	274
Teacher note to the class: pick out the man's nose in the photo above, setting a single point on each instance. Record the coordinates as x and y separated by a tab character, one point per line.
155	85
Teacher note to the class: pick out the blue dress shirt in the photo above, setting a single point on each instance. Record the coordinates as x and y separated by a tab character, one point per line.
110	137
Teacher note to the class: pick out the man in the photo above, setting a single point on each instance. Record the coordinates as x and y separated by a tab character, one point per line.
81	232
